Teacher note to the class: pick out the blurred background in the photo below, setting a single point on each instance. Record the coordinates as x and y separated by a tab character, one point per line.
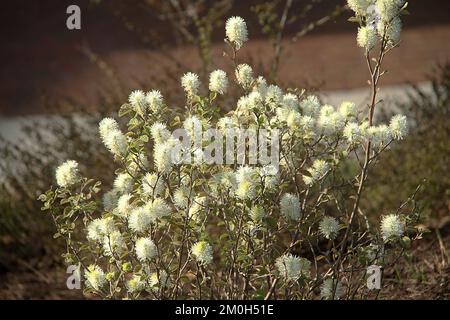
55	84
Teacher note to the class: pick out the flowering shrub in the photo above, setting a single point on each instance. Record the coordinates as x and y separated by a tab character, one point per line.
183	221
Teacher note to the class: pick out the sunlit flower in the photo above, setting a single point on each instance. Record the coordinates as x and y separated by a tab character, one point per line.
152	185
155	100
202	252
398	127
94	230
135	284
392	227
310	106
244	75
260	86
67	174
352	132
138	102
95	277
145	249
159	132
367	37
274	96
116	142
348	109
218	81
359	6
123	183
181	197
236	31
106	126
190	83
124	205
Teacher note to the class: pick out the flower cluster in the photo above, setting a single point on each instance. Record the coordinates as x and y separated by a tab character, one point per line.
380	21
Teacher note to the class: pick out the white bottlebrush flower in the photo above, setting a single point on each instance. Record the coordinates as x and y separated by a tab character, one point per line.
390	30
202	252
246	178
254	100
274	96
348	110
236	31
290	101
244	75
218	81
282	114
388	9
107	226
379	135
145	249
135	284
137	100
124	205
329	286
154	100
123	183
317	171
246	190
158	208
94	230
167	154
116	142
260	86
159	132
152	185
352	132
292	268
398	127
95	277
307	124
310	106
110	200
106	126
190	83
329	227
193	127
293	120
325	120
359	6
392	227
67	174
181	197
139	220
367	37
290	207
113	244
142	217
